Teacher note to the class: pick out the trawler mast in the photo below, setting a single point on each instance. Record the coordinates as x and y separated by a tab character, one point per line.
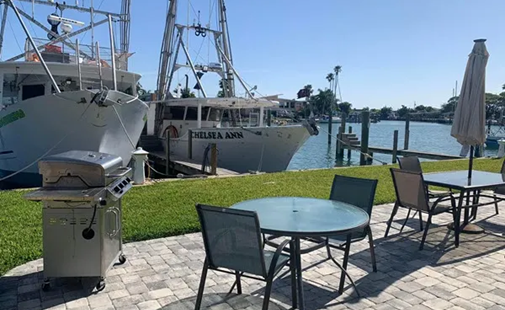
123	17
173	43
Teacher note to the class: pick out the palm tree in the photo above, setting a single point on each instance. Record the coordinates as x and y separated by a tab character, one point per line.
337	70
330	77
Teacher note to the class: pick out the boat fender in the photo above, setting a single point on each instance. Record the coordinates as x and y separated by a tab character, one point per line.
173	132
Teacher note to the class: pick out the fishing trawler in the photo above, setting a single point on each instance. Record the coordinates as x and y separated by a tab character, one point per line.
244	140
59	95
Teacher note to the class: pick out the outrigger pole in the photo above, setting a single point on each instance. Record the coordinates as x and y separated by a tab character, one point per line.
42	62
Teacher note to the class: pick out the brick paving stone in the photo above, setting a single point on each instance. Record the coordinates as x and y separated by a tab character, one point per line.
398	304
427	281
438	304
118	294
466	293
149	305
99	300
497	299
466	304
78	303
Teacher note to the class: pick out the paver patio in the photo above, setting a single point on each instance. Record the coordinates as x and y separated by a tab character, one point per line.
165	273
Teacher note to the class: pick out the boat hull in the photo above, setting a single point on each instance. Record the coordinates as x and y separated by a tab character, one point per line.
266	149
492	142
46	125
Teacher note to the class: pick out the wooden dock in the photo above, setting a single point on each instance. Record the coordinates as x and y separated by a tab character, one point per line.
178	164
351	141
187	166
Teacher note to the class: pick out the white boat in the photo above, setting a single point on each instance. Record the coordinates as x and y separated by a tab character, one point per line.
235	124
326	119
56	100
249	146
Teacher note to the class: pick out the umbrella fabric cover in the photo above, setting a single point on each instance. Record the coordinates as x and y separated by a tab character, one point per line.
469	124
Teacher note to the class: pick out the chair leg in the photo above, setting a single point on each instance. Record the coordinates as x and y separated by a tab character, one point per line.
405	222
268	290
393	213
239	285
496	204
420	221
425	232
199	297
372	249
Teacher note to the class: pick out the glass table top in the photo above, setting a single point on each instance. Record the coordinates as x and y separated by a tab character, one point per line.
459	179
297	216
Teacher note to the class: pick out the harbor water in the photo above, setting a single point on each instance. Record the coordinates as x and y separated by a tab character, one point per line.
427	137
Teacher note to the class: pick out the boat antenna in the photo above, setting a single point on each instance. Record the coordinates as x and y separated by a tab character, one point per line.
42	62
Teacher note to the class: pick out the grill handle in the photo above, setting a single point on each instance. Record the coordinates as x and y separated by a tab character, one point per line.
119	173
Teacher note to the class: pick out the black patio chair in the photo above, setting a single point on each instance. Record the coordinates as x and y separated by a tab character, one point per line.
411	193
233	244
499	190
360	193
412	163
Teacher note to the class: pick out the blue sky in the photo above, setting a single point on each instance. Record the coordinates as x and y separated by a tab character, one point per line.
392	52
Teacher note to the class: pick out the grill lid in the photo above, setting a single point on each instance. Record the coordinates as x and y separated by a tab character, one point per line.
79	169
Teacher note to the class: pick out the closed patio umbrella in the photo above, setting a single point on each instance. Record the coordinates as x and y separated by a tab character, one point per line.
469	124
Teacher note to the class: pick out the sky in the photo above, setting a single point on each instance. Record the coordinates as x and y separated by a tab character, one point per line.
392	52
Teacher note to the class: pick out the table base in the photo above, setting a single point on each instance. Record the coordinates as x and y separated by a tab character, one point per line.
469	228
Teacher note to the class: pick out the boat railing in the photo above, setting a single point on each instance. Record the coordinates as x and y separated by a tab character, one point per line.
58	52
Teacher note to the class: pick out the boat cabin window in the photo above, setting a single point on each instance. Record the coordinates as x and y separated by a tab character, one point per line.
10	90
192	114
176	113
32	91
214	115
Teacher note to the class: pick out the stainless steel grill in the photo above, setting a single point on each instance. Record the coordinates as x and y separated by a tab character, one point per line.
81	195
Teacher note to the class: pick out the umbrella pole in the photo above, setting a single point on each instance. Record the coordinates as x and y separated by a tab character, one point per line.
470	164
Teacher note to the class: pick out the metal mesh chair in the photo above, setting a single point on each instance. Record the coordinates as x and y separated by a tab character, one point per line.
412	163
411	193
233	244
360	193
499	190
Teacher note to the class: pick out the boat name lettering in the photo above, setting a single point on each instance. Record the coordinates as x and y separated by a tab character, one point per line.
12	117
217	135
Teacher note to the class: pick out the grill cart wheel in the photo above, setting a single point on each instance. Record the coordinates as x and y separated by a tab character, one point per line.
101	285
122	259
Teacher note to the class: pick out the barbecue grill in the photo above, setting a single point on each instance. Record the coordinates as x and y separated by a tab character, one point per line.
81	194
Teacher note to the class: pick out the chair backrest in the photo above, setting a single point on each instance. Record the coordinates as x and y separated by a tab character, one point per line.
410	163
355	191
232	239
410	189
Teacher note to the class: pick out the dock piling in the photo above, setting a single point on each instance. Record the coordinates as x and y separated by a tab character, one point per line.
340	145
395	146
167	154
407	132
349	149
365	130
190	144
213	159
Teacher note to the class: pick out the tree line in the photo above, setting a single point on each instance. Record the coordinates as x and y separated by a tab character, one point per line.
325	102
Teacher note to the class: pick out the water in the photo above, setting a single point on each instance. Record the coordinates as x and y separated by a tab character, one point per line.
427	137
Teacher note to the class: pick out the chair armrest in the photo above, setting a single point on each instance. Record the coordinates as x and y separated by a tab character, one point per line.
277	253
450	195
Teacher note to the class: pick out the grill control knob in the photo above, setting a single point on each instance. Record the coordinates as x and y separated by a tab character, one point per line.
103	202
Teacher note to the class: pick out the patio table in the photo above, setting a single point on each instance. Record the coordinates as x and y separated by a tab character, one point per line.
298	217
458	180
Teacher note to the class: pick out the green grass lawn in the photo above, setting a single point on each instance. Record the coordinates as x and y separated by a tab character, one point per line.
167	209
